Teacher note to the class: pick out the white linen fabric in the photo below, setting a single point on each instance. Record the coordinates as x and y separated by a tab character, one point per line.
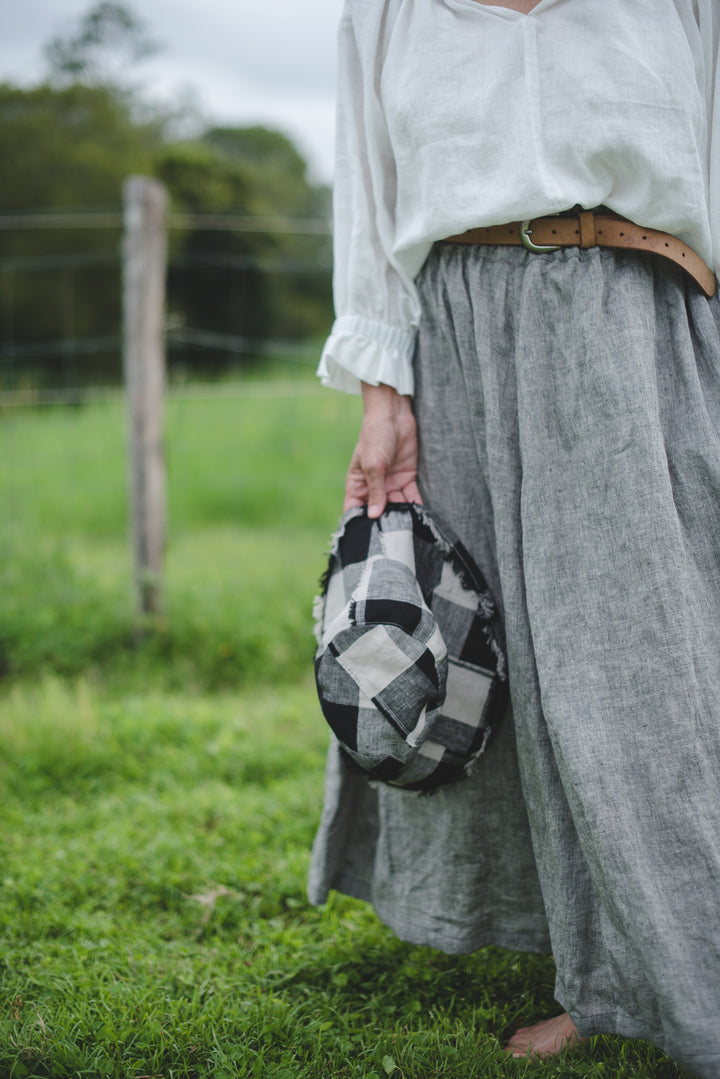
454	114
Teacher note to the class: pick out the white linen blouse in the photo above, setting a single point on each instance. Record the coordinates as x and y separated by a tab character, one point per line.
454	113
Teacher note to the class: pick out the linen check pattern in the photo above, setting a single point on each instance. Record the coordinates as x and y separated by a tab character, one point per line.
410	672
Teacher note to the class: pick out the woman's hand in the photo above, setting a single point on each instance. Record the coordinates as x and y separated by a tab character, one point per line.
384	465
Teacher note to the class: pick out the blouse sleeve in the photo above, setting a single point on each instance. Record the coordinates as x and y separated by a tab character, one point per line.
709	22
377	311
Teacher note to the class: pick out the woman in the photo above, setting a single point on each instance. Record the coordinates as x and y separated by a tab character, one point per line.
560	408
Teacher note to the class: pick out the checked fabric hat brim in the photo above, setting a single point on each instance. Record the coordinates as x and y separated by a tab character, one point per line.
410	671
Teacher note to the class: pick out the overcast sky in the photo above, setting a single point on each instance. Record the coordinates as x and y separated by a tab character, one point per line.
249	61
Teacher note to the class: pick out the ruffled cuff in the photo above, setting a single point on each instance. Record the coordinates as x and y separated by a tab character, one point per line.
359	350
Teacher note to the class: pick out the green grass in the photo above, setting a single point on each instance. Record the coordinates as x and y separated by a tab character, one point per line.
154	920
159	794
255	488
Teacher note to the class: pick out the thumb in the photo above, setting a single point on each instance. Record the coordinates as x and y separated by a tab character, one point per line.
376	494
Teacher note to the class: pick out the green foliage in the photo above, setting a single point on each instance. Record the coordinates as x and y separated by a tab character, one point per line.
247	283
109	38
156	827
61	149
153	918
70	144
67	147
215	281
199	178
278	169
237	505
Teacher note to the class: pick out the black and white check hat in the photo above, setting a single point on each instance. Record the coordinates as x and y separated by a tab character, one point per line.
409	668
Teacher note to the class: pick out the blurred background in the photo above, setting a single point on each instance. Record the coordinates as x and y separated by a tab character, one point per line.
231	107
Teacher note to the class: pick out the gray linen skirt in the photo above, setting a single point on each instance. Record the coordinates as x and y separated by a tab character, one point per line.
568	410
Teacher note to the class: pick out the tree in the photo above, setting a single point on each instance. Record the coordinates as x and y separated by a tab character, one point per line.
248	284
214	281
278	168
109	41
65	148
70	146
71	142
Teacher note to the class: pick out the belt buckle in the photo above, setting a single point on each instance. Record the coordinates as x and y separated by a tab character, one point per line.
526	231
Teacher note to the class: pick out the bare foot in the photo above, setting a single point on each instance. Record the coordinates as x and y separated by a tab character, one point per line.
545	1039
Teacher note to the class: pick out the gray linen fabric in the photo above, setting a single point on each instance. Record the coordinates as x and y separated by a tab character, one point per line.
569	414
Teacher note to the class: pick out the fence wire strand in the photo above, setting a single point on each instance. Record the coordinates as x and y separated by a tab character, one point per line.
183	337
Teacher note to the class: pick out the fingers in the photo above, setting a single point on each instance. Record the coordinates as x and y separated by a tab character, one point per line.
373	487
356	485
365	483
411	493
384	464
376	493
351	503
365	488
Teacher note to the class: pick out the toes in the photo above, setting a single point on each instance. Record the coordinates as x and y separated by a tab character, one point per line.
548	1038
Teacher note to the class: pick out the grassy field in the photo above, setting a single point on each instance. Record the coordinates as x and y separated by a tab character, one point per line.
160	792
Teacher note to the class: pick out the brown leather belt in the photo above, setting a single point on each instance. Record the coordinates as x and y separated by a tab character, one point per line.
588	229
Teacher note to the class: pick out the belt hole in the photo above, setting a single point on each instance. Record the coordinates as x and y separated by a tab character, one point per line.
622	233
667	245
644	237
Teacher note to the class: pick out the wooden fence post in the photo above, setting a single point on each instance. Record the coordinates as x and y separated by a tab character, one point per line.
144	267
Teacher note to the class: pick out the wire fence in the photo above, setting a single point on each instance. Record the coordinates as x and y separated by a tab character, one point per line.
96	219
247	390
71	275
